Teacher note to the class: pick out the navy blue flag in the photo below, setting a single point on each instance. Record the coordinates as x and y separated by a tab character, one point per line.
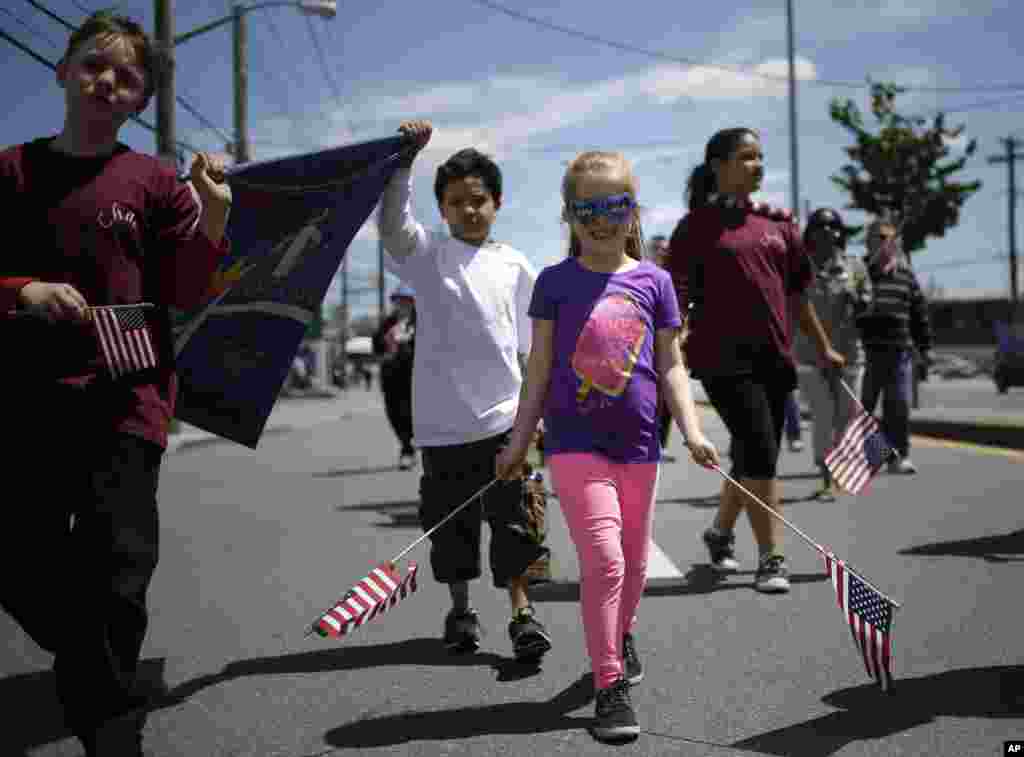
292	221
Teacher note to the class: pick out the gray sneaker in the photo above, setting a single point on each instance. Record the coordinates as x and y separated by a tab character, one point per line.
772	576
720	549
903	466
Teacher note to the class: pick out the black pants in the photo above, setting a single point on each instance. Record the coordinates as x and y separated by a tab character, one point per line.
753	408
396	384
450	476
79	547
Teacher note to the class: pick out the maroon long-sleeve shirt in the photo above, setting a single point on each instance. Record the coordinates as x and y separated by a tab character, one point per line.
738	270
121	229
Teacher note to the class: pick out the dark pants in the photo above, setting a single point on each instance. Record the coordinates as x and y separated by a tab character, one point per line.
451	474
890	371
396	384
792	425
753	408
79	548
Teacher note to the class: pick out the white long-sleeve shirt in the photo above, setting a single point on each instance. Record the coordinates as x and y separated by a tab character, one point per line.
471	324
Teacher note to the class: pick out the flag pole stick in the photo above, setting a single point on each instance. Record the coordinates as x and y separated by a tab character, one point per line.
793	528
448	517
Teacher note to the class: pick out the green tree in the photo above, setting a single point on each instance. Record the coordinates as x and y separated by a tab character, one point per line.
901	170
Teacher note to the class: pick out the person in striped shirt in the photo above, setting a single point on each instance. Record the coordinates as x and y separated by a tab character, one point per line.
892	329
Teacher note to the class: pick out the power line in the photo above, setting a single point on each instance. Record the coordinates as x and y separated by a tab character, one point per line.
726	67
327	73
53	67
31	28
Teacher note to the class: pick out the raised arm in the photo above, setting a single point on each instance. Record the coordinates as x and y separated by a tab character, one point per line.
399	231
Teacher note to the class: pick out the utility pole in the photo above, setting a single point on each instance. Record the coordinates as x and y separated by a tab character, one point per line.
164	33
1010	158
241	38
794	162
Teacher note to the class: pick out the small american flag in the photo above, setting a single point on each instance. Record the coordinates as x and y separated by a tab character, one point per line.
125	339
373	596
869	615
859	455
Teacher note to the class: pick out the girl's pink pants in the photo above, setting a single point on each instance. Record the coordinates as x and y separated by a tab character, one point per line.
609	509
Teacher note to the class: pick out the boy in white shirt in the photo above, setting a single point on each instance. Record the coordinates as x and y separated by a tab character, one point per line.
472	340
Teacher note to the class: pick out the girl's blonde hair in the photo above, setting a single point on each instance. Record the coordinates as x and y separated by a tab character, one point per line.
596	161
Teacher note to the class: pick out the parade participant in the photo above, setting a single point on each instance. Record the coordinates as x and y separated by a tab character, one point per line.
791	425
395	341
840	292
895	324
605	335
472	294
103	225
731	250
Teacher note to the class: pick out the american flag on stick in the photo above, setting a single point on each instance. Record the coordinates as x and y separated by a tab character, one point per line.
861	452
869	615
124	336
381	590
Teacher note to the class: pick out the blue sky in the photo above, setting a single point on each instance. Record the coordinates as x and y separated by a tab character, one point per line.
534	96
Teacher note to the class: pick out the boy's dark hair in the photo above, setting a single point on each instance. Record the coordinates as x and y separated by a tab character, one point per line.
468	162
106	23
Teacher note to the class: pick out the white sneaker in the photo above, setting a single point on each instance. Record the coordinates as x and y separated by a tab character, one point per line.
796	445
904	466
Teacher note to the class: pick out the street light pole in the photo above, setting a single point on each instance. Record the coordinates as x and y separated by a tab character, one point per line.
164	33
240	34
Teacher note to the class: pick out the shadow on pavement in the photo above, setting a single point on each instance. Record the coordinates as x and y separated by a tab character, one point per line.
700	579
35	692
989	548
402	504
712	500
341	472
868	713
469	722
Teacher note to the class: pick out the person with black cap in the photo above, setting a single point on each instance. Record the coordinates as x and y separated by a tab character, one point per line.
840	292
395	340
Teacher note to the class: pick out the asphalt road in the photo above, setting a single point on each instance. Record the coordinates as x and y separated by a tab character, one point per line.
254	543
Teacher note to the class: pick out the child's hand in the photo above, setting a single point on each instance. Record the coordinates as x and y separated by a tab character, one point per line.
55	302
207	173
508	463
703	451
419	131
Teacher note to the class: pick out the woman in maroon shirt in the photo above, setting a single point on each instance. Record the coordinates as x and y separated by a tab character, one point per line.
99	225
735	263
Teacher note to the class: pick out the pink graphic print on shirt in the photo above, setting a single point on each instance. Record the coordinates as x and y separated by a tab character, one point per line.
608	347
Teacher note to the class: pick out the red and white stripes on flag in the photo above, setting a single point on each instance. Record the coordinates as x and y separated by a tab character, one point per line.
859	455
373	596
125	339
869	615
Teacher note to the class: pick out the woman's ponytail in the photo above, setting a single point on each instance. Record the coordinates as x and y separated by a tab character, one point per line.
700	186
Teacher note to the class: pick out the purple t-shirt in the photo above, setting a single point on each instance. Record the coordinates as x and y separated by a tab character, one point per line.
603	392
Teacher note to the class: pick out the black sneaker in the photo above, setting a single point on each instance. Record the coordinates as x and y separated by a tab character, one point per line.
530	640
772	576
462	631
720	548
633	669
614	718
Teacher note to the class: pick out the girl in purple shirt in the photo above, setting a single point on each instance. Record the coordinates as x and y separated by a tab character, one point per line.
605	327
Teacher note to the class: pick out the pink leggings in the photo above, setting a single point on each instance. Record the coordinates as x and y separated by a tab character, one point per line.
609	508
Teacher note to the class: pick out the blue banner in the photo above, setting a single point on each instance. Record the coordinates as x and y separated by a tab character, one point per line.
292	221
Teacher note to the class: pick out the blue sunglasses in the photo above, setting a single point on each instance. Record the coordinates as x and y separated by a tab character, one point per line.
616	208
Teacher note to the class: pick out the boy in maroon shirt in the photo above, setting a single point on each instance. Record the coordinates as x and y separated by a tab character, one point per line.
102	225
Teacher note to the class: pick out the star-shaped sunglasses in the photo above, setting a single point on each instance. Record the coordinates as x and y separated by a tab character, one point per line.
616	208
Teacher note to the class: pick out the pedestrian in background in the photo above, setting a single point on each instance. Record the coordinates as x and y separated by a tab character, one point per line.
893	327
395	342
107	226
841	292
